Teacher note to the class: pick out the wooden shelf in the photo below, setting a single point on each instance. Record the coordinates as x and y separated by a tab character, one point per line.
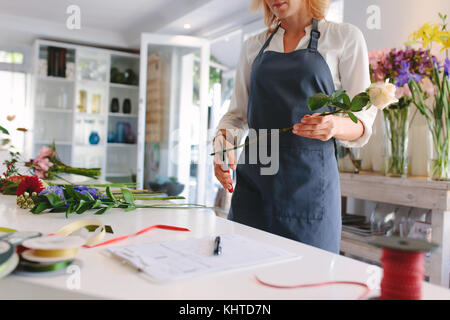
416	192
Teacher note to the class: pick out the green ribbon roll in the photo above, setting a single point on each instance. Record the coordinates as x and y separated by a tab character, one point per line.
43	267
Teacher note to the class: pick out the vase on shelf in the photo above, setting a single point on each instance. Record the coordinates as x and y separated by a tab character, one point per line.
349	159
111	137
62	99
114	105
126	106
82	107
94	138
438	154
129	136
96	101
396	130
120	132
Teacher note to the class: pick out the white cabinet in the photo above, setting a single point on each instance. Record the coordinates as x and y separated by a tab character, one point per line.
73	90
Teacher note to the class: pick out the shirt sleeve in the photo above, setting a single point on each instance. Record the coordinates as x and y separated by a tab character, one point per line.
235	119
355	78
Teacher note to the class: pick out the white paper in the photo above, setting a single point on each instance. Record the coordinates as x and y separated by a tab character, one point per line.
171	260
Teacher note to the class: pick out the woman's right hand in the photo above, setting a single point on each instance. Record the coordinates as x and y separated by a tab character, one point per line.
222	172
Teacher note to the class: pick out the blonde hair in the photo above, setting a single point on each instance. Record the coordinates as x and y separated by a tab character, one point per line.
317	8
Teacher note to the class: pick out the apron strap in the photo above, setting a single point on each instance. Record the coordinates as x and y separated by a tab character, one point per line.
315	35
266	44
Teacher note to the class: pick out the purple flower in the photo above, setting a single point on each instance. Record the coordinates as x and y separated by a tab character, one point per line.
447	67
405	75
55	190
85	190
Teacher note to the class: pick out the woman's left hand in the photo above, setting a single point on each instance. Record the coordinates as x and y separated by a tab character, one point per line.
316	127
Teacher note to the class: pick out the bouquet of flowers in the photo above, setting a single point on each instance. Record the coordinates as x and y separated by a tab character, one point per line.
47	165
79	199
431	96
395	66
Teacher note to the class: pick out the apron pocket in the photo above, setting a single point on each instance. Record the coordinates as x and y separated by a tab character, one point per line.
298	191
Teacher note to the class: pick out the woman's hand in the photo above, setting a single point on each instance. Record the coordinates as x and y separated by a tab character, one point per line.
317	127
222	172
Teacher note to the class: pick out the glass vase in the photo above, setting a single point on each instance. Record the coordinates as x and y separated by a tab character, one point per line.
349	159
438	154
396	129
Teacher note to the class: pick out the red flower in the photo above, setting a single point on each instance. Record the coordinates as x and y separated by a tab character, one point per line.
30	184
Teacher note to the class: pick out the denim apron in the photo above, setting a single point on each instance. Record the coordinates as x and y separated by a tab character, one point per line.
302	201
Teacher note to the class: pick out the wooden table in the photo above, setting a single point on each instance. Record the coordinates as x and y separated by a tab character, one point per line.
413	192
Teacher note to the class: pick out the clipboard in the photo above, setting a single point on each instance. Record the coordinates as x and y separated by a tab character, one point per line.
176	260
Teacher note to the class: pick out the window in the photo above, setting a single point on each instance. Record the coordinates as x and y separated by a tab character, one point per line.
11	57
14	80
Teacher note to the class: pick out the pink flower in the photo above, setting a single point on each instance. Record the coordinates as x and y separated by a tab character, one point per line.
41	167
45	152
39	174
403	92
427	86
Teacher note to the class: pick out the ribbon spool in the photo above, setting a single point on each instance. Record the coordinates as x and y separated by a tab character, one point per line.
80	224
28	266
403	263
52	248
8	259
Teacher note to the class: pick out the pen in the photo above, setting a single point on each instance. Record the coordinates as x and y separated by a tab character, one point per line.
217	247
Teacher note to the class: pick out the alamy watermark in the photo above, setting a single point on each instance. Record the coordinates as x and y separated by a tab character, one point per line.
73	21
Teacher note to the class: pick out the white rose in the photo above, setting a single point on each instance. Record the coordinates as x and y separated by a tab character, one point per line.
382	94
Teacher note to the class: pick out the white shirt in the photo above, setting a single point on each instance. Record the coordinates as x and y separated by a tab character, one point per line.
344	49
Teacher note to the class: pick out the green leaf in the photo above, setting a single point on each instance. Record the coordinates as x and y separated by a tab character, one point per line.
86	206
317	101
54	200
58	209
97	204
131	208
69	210
40	207
338	95
127	196
360	101
346	100
109	194
104	209
71	193
3	130
352	116
108	229
80	204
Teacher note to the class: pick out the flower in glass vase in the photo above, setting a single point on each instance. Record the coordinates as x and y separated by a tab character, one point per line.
431	97
399	66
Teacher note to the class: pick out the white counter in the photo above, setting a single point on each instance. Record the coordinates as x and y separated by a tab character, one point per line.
102	277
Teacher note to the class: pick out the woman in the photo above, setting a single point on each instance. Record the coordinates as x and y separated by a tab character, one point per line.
302	54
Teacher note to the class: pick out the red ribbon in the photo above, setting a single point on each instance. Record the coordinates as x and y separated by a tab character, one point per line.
158	226
363	295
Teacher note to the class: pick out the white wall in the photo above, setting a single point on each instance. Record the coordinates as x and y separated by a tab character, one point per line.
399	18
